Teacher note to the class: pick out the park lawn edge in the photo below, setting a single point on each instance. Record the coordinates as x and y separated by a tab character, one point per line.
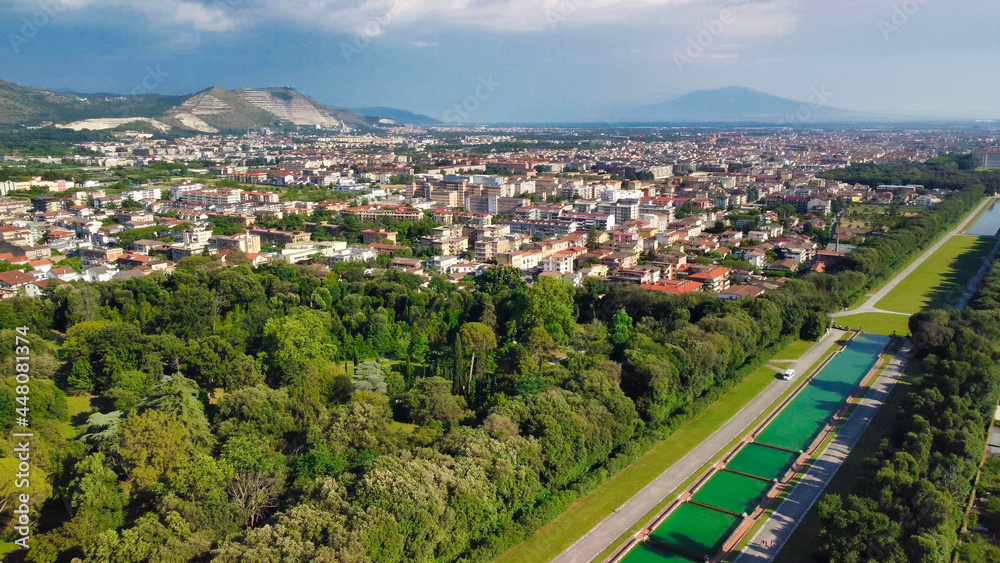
915	255
930	282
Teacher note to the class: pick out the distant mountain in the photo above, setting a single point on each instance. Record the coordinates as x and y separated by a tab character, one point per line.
400	116
209	111
740	105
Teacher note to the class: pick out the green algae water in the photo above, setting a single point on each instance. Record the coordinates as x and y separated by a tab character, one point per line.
695	531
649	552
762	461
733	492
799	424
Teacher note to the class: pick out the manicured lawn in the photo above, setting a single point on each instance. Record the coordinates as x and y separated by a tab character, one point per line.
941	280
793	351
578	519
877	323
913	257
76	407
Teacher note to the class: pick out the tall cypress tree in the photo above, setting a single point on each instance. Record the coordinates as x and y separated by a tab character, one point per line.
459	371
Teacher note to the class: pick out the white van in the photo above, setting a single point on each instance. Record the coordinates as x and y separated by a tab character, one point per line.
788	375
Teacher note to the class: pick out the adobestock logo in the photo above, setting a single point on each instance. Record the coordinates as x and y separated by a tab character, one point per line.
819	96
562	11
32	25
901	15
711	30
374	27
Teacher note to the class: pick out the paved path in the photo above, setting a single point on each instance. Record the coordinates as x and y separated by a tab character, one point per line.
783	521
603	535
869	305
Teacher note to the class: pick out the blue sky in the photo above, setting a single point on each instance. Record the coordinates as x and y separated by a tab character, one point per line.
542	59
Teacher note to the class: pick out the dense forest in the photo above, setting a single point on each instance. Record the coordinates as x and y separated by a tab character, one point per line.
911	499
290	412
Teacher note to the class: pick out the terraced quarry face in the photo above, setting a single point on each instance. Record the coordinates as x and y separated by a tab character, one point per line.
216	109
289	106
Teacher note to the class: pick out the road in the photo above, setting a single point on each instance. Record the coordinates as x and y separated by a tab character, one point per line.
869	305
603	535
769	540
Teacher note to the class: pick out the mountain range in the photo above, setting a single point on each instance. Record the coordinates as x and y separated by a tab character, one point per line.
218	110
210	111
742	105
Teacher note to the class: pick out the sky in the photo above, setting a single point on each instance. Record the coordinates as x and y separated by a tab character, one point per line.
518	60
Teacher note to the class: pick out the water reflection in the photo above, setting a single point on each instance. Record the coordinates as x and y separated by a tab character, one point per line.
988	224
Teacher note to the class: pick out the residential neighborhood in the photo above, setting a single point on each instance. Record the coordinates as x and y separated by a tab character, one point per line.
717	212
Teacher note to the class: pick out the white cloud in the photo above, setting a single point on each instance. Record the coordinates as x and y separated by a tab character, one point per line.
210	15
374	17
199	16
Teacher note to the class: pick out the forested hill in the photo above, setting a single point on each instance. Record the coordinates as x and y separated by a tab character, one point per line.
284	414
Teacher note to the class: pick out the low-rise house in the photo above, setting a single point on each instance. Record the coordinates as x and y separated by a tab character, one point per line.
739	292
618	260
100	255
411	265
99	274
353	254
786	265
756	258
15	280
65	274
38	287
369	236
643	274
674	287
41	266
133	260
150	247
594	271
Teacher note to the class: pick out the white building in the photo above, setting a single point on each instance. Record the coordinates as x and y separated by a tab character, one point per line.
176	191
299	252
561	262
216	197
142	194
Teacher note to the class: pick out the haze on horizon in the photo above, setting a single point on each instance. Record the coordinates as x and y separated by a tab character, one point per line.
543	60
